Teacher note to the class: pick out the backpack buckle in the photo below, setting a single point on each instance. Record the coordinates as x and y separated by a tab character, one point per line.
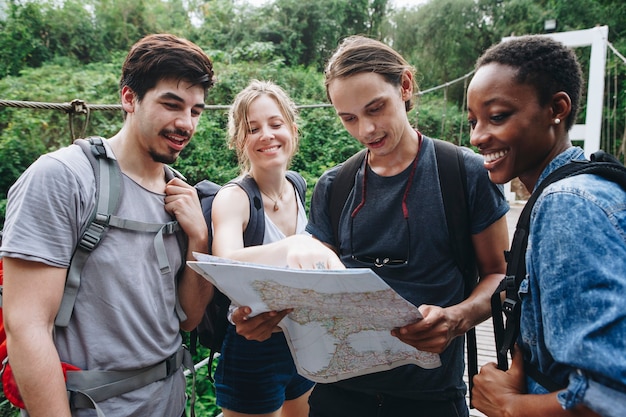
92	236
509	284
173	362
509	306
97	147
171	228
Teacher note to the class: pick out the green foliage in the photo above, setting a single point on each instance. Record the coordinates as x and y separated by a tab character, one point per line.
6	409
21	152
71	33
440	119
57	84
323	142
58	51
20	42
205	390
446	32
27	133
304	85
207	156
55	51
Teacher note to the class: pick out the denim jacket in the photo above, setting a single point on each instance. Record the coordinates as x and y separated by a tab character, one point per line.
573	322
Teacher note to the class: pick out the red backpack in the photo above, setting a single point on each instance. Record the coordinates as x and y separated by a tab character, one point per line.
3	336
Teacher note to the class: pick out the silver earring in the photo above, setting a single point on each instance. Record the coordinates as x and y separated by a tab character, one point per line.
557	121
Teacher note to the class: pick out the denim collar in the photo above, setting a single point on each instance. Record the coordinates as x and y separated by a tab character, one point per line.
570	154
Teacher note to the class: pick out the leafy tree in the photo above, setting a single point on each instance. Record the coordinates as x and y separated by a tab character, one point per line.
121	22
447	49
306	33
509	18
403	31
71	33
54	51
20	38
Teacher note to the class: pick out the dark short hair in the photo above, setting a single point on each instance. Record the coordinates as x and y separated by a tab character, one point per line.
356	54
164	56
546	64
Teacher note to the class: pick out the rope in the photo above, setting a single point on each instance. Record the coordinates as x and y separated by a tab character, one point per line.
614	115
463	111
449	83
67	107
616	52
445	112
79	106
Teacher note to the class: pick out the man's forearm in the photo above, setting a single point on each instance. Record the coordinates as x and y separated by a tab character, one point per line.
194	292
38	373
477	307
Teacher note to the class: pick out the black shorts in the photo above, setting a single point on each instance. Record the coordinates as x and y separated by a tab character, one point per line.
257	377
328	400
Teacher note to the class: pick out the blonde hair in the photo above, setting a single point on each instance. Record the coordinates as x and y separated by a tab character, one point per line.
238	125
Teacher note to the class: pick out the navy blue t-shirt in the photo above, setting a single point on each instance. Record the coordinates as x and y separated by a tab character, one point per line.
379	230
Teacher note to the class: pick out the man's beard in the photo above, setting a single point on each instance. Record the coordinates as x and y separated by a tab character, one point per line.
171	158
164	159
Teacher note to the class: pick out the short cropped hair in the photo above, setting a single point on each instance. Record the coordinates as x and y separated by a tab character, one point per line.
164	56
546	64
357	54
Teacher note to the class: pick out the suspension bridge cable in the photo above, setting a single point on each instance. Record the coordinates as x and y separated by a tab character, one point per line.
81	107
616	52
449	83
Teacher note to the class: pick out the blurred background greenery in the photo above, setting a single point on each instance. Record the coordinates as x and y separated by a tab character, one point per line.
55	51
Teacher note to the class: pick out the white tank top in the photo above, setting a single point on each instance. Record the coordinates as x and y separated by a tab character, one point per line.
274	234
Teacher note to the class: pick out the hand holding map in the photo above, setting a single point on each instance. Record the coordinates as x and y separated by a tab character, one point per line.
341	323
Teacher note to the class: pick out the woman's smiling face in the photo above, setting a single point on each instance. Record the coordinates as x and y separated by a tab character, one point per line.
269	140
513	131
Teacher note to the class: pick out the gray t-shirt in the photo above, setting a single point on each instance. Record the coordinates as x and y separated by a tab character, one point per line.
124	317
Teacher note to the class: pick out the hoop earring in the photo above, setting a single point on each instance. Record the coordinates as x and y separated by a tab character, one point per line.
557	121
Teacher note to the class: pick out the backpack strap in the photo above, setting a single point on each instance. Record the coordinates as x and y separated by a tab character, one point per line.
206	193
299	183
89	387
453	182
211	323
108	177
173	227
340	189
108	188
255	231
602	164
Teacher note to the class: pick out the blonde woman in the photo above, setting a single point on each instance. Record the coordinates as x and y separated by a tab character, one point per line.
252	377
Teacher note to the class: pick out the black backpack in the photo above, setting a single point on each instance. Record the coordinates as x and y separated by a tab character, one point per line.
602	164
211	331
453	180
